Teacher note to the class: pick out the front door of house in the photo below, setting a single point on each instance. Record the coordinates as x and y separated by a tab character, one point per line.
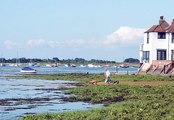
161	54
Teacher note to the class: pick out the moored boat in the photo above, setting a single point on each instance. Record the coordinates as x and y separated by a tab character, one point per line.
124	65
28	70
2	65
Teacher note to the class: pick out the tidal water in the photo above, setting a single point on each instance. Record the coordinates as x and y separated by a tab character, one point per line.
29	96
19	97
10	71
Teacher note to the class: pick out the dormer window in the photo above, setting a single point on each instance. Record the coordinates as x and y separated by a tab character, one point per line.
161	35
147	38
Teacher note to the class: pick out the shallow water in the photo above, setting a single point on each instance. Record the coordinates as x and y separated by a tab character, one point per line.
8	71
20	97
24	96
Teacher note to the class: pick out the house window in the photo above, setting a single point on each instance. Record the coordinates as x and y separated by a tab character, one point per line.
146	55
161	35
172	54
161	54
147	38
172	38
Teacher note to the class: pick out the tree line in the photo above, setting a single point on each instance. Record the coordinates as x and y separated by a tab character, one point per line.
64	61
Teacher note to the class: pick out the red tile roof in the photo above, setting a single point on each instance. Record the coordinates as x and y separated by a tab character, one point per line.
155	28
163	25
171	28
152	28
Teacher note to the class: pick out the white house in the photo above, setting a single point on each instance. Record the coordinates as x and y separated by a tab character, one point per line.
157	51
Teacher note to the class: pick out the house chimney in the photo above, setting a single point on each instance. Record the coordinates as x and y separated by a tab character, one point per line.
173	22
161	19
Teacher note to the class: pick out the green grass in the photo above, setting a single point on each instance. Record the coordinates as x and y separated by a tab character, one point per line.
106	93
122	111
139	103
81	77
123	102
142	78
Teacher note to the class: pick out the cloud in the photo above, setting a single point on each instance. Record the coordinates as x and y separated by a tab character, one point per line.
124	35
62	43
10	44
41	42
36	42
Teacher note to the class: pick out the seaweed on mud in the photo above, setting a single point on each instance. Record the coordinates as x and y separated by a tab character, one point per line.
51	89
18	101
69	99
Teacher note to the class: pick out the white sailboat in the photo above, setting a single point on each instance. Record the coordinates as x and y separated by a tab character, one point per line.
18	63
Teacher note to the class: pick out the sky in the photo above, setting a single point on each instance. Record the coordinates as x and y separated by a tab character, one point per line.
89	29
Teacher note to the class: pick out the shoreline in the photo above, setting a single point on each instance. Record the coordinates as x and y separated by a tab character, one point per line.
137	90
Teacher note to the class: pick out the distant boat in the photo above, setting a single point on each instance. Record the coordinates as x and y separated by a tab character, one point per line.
70	65
2	65
33	64
124	65
18	61
93	66
28	70
83	66
67	65
73	65
48	65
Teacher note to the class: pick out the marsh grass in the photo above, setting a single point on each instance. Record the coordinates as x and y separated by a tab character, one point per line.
82	77
123	102
139	103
